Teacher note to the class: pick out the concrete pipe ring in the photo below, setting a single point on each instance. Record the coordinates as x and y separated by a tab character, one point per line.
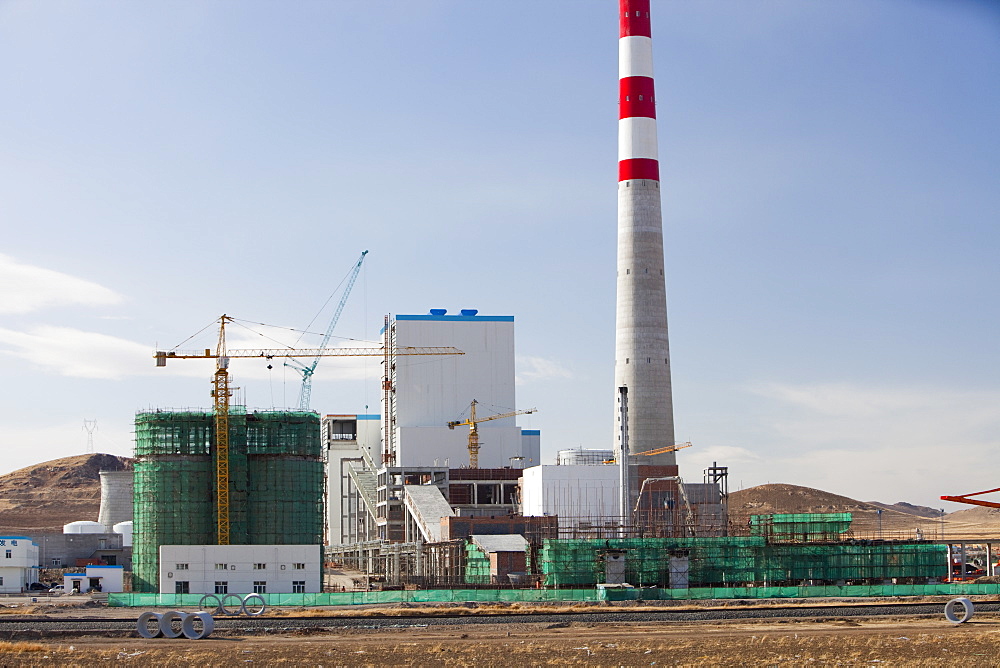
143	627
949	610
189	627
226	603
216	607
167	627
259	611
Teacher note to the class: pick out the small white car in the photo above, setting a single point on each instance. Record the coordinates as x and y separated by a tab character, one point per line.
58	589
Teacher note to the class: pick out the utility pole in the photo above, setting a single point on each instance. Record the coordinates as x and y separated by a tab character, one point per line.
90	426
624	474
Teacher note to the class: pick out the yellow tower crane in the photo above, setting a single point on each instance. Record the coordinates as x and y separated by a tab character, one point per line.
657	451
473	423
222	391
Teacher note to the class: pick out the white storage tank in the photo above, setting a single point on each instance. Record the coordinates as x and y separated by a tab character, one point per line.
125	529
584	457
84	526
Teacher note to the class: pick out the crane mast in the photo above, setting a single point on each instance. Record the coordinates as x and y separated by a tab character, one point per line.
473	423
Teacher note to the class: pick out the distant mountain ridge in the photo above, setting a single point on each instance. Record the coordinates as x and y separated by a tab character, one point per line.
904	507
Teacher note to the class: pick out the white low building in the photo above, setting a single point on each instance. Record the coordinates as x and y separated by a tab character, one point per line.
18	563
240	569
96	578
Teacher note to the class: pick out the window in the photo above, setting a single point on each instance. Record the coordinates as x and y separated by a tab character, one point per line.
57	563
299	567
259	587
298	586
181	567
221	587
221	567
260	567
9	555
1	580
182	587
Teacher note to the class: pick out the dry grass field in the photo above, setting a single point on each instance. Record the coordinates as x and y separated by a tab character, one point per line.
898	642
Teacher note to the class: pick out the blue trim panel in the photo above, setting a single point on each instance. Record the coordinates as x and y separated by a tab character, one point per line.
369	417
531	432
458	318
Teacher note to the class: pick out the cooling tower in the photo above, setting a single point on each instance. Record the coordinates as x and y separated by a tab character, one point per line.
116	498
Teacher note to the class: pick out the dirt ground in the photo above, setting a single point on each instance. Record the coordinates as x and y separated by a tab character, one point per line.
896	642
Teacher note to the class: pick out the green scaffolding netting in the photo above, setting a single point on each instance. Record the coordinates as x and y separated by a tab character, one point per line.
723	562
275	483
570	595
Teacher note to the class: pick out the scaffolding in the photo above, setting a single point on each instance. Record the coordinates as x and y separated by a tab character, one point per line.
800	527
740	561
275	483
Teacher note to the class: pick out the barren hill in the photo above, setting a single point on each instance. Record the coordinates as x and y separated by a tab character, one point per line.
44	497
909	508
897	521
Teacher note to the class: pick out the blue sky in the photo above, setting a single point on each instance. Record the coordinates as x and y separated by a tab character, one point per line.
830	180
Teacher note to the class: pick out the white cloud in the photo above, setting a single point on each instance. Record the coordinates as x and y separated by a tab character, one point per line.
25	288
530	369
73	352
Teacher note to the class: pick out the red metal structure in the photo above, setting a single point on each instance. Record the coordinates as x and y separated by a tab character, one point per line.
964	498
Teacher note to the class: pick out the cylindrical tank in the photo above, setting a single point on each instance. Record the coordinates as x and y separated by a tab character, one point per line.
125	529
173	500
116	497
580	456
284	479
84	526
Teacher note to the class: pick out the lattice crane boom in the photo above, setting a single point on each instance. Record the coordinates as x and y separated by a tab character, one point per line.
307	370
472	421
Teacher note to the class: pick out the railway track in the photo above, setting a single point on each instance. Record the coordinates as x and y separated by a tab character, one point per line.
34	626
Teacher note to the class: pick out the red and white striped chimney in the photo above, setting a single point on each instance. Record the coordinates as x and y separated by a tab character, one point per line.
642	353
637	103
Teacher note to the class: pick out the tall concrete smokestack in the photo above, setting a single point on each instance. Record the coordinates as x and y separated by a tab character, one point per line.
642	353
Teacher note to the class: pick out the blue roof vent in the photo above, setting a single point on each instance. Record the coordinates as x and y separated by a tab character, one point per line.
470	311
438	311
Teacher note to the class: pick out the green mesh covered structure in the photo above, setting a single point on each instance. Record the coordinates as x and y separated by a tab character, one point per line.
275	483
499	595
737	561
477	565
800	527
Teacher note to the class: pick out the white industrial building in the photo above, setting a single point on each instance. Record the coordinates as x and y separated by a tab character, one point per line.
240	569
574	493
585	495
18	563
372	458
428	393
344	437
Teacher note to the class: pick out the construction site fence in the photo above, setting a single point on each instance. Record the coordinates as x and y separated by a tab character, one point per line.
136	600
